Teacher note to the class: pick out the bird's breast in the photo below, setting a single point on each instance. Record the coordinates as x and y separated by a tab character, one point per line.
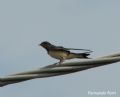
58	54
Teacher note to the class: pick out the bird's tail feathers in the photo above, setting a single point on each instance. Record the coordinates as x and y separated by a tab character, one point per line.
79	55
82	55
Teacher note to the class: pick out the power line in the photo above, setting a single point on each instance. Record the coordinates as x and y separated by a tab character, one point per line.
56	70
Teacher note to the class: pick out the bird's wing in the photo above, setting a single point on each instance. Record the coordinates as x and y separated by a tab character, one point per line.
86	50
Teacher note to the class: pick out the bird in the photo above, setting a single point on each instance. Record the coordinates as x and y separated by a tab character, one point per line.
62	54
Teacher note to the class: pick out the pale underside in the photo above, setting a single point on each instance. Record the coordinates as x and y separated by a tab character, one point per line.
61	55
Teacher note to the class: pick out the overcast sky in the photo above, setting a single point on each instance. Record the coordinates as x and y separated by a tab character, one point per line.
89	24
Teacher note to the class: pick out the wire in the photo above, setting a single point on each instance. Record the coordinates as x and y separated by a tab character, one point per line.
56	70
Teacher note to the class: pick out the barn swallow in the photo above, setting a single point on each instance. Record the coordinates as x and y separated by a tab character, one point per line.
62	54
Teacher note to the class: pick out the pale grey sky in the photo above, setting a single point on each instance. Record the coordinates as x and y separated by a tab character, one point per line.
90	24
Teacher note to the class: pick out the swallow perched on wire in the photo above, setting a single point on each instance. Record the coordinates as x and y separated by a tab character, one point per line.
62	54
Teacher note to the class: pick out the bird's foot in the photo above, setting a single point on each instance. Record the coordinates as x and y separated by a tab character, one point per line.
58	63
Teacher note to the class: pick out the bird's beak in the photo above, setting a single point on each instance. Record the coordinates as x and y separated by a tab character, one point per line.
39	44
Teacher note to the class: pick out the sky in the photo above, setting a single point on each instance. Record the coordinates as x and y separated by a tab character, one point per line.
88	24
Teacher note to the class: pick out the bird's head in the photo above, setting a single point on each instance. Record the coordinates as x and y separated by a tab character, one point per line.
45	44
